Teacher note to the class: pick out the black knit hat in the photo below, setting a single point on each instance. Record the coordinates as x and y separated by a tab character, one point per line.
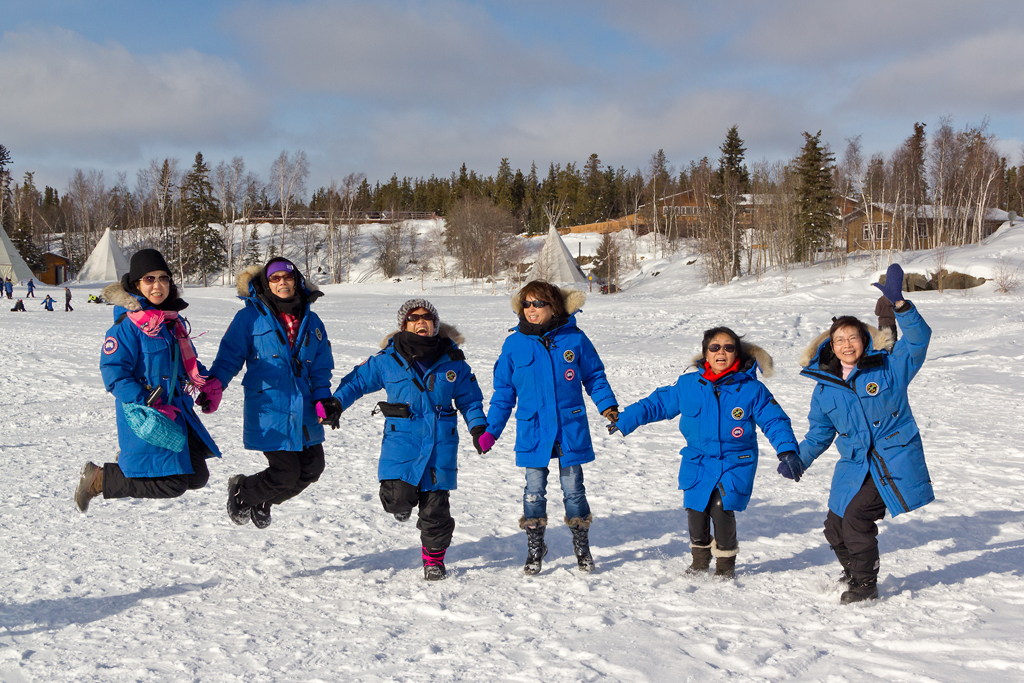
146	261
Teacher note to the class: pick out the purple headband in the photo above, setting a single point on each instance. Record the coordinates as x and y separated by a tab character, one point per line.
278	266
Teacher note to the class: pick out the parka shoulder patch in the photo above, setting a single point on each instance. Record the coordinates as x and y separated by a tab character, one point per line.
450	375
737	413
472	378
109	345
319	335
871	388
569	356
773	401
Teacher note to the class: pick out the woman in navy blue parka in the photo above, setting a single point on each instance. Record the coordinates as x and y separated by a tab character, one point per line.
544	366
428	382
288	363
718	408
148	348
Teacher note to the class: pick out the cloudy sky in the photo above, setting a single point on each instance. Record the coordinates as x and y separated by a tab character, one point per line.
419	87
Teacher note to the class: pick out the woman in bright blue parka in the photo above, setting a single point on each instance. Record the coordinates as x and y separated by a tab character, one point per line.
718	407
147	349
428	382
288	364
544	367
861	397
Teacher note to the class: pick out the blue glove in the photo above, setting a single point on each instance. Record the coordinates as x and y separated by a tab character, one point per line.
790	465
612	428
893	287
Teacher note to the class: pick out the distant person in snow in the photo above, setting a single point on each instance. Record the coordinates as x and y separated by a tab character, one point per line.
544	366
148	349
718	407
861	396
288	364
428	382
19	306
31	288
93	299
9	288
48	302
886	316
67	297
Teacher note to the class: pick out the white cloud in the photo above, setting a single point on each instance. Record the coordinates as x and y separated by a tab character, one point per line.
61	91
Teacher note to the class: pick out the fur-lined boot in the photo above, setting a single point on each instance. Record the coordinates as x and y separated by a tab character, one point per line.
725	561
536	549
581	541
701	559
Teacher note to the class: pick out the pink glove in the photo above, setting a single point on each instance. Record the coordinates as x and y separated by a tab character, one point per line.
170	412
486	441
209	398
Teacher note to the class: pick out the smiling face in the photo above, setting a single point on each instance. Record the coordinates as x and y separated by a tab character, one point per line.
848	345
721	360
155	286
537	316
422	327
282	284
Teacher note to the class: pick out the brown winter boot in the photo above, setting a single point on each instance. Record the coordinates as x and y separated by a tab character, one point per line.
725	561
90	485
701	559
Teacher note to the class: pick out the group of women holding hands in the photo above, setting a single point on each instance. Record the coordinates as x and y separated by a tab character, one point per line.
545	365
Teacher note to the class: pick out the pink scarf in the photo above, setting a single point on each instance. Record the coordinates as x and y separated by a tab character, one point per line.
151	320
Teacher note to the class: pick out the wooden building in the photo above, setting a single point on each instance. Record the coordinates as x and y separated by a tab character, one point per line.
57	269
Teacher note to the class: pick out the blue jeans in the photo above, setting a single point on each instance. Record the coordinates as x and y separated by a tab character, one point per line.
574	493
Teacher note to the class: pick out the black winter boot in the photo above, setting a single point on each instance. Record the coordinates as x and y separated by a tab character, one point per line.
843	555
536	549
238	511
260	515
433	564
860	590
725	561
581	542
701	559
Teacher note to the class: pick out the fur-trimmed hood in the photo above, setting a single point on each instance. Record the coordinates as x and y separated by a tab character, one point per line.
116	294
752	353
247	274
574	299
881	340
445	331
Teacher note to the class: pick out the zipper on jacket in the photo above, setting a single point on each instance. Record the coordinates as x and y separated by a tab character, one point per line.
887	479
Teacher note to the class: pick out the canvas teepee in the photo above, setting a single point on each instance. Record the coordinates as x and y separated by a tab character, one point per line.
106	263
555	263
11	263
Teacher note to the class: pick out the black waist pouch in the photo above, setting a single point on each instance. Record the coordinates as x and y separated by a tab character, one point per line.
393	409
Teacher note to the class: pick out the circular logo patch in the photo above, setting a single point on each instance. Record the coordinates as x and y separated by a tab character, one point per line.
109	345
871	388
570	374
319	337
569	356
450	375
737	432
737	413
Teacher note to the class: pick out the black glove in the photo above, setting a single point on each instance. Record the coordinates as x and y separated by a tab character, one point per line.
893	287
329	412
612	428
476	432
790	466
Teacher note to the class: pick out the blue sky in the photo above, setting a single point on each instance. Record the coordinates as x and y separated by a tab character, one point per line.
418	88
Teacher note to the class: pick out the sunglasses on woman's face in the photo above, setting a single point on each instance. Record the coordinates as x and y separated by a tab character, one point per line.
281	277
415	317
150	279
536	303
729	348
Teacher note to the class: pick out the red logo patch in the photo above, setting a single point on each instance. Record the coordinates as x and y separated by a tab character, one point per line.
109	345
737	432
570	374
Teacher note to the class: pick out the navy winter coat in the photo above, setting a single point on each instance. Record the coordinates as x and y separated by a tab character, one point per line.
543	379
717	419
282	383
130	361
871	415
421	449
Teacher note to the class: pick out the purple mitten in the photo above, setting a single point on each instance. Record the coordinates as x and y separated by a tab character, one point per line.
209	398
486	442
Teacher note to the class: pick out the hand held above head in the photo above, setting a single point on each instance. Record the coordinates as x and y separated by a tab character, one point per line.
790	466
893	287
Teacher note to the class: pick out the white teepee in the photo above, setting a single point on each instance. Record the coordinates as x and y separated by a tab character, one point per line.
11	263
106	263
555	263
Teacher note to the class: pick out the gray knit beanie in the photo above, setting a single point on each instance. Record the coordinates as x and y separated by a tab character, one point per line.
412	305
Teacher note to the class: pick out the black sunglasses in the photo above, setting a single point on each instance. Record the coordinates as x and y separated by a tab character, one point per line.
414	317
536	303
729	348
151	279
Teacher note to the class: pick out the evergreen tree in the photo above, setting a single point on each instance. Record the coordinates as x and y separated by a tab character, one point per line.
733	181
5	186
815	197
205	252
252	254
731	166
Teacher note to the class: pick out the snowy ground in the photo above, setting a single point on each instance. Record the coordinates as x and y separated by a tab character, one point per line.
172	591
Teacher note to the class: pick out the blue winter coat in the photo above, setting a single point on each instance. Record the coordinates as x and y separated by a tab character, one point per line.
130	361
282	383
543	378
871	414
717	419
421	449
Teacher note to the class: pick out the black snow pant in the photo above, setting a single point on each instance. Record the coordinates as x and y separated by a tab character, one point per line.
116	485
435	516
854	536
289	474
725	524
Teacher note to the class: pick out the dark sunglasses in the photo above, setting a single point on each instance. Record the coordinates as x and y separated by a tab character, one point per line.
150	279
280	277
729	348
537	303
414	317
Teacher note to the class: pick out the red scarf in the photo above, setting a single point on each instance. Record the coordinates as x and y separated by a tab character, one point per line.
151	320
291	326
712	377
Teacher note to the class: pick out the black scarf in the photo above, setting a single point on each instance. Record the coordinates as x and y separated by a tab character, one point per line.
526	327
294	305
418	349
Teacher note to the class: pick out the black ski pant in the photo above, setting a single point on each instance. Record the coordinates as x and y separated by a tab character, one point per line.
116	485
725	524
854	536
289	474
435	516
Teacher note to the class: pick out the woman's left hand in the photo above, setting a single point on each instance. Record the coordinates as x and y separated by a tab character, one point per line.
612	414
